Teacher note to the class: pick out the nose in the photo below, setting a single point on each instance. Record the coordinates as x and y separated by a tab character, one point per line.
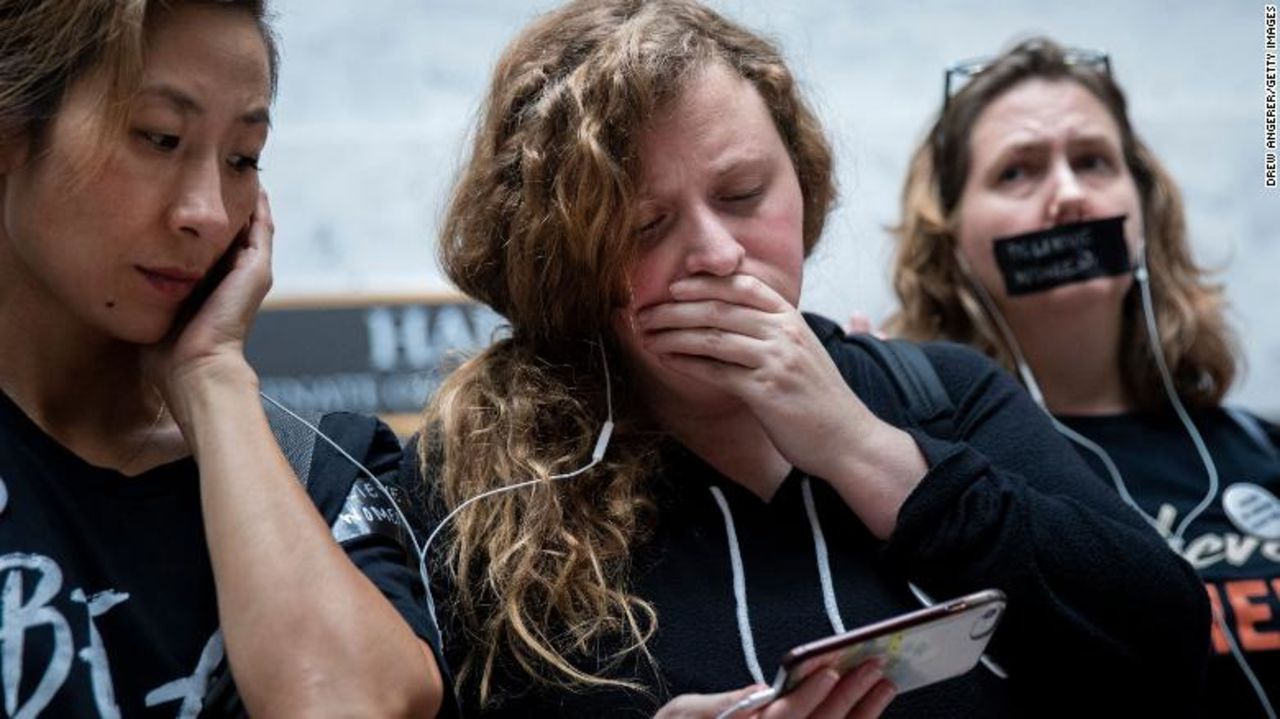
198	208
712	247
1067	203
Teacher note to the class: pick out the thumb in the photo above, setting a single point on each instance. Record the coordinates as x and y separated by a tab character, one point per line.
704	706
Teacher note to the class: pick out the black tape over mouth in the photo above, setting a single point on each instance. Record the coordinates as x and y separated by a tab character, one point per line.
1045	259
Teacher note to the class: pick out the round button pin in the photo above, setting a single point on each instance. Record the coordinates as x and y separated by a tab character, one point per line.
1253	509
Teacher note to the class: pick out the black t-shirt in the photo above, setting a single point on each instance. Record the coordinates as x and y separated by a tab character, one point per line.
1097	606
1166	477
107	599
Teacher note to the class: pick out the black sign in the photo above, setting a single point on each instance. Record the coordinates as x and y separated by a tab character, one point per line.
372	358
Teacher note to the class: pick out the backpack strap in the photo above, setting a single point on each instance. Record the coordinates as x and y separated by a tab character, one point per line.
367	509
916	380
297	442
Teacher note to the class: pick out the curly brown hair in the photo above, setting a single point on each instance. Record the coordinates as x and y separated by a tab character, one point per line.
541	228
937	301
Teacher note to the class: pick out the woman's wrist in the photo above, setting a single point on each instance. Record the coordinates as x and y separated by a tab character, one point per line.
879	470
212	386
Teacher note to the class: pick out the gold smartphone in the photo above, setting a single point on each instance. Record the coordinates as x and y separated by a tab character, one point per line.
917	649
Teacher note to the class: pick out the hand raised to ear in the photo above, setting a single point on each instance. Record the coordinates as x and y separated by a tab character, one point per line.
209	334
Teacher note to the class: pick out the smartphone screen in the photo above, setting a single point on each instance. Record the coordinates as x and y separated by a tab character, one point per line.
917	649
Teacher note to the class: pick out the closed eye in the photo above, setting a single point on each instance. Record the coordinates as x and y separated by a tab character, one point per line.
744	195
651	226
160	140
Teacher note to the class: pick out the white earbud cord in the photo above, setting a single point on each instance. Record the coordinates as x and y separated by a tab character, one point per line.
365	470
1144	283
1211	469
1157	350
597	454
1024	369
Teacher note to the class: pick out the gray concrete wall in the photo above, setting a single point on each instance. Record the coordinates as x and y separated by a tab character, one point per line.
377	97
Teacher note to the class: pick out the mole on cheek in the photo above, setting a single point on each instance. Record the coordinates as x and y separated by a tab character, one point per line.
111	304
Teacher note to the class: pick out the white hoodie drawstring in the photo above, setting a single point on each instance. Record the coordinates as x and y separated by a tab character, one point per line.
739	590
824	563
740	578
824	577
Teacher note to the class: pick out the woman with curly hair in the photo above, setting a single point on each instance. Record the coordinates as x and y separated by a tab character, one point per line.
645	184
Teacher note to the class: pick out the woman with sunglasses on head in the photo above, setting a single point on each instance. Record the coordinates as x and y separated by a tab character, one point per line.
149	524
1038	228
667	476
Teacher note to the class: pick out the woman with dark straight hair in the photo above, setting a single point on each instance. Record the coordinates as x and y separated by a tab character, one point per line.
153	538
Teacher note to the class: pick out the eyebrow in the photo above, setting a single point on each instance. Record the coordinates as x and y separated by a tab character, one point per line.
1037	146
187	104
1096	140
747	161
726	166
1083	138
1017	151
